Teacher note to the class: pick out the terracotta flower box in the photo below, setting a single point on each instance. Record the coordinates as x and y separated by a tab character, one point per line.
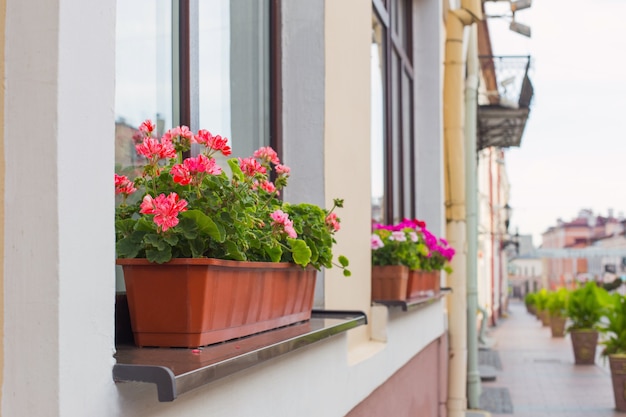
197	302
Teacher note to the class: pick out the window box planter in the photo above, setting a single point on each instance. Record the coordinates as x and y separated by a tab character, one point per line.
389	282
197	302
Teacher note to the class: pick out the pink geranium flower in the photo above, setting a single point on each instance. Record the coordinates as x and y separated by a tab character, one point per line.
181	174
281	220
377	242
147	127
332	221
154	149
251	167
165	209
282	169
267	154
216	143
124	186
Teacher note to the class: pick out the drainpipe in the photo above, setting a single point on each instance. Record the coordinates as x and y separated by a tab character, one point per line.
454	159
471	183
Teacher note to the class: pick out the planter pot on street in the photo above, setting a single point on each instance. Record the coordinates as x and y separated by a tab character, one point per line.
584	343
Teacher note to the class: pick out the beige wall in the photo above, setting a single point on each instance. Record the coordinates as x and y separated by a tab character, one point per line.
347	143
2	19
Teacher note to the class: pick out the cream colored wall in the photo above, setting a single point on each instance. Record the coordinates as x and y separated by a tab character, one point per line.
2	20
347	144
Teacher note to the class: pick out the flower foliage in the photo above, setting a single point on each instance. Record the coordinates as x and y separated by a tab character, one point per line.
411	244
191	208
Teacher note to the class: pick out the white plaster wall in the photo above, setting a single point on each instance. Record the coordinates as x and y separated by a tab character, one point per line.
59	208
315	381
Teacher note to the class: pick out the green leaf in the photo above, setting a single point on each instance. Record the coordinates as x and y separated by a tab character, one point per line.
127	247
159	256
233	163
197	248
171	240
300	251
234	252
205	224
189	228
343	261
156	241
125	226
347	273
145	225
274	252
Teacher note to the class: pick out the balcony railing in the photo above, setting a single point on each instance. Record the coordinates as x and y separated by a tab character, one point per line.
505	96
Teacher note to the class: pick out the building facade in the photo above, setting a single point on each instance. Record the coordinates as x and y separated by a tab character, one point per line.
309	91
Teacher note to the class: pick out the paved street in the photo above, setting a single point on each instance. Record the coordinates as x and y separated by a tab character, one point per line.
538	377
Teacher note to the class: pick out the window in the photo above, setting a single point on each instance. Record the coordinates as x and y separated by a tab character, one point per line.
210	64
143	85
205	64
393	145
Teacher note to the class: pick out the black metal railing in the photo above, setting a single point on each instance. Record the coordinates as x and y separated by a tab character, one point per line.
506	81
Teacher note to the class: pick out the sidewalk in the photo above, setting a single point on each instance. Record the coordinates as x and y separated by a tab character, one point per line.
538	377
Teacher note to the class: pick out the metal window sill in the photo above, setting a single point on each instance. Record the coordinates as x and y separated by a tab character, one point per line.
176	371
417	302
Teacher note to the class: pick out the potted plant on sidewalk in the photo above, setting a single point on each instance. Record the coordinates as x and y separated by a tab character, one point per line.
530	300
557	307
585	309
541	303
614	329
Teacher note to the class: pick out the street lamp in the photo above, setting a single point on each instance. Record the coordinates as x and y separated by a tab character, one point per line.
509	240
507	216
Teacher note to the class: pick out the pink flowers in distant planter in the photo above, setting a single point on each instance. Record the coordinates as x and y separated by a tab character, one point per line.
410	243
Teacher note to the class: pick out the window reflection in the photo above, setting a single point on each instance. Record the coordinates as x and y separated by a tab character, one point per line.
234	72
377	119
143	75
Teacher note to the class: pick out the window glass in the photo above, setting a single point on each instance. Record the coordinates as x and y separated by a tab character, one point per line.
143	82
393	148
377	119
234	72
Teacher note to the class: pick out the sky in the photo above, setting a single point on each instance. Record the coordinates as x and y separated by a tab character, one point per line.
573	151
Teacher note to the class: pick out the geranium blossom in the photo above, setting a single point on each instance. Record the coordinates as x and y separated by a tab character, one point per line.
281	219
377	242
147	127
165	209
181	174
267	186
154	149
251	167
398	235
216	143
333	222
282	169
202	164
267	154
123	185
